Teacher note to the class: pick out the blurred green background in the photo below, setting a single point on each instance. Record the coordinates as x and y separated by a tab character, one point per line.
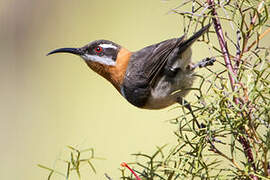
50	102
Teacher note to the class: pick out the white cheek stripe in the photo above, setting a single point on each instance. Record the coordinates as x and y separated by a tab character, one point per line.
107	46
102	60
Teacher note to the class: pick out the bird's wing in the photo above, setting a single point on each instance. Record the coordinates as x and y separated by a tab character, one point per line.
159	58
161	53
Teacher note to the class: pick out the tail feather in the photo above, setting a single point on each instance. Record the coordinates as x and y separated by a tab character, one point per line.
187	43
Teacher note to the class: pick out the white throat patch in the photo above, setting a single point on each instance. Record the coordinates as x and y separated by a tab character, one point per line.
103	60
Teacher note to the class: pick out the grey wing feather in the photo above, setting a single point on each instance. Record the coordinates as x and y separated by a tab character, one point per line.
159	58
161	55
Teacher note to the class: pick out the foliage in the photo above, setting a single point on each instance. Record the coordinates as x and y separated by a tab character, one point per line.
233	103
74	164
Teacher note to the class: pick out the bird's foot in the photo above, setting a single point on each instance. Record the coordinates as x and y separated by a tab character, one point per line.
209	61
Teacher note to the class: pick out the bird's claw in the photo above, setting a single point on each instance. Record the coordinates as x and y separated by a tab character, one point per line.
209	61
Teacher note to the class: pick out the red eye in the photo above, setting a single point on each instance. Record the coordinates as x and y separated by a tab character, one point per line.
98	49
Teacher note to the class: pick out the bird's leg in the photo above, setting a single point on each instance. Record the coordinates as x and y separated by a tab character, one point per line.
203	63
188	107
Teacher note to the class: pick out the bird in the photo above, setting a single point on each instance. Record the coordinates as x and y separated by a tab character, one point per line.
153	77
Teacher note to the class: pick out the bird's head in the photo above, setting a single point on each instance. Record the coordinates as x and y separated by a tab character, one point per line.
104	57
101	51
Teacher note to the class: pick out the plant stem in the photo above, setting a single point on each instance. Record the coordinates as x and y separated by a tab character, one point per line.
260	37
248	153
215	150
222	43
247	35
232	76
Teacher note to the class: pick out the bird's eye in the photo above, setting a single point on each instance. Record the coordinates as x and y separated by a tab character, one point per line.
98	49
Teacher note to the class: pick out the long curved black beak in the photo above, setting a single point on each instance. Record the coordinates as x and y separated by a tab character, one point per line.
76	51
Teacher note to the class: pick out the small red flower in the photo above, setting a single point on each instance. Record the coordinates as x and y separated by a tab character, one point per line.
123	164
